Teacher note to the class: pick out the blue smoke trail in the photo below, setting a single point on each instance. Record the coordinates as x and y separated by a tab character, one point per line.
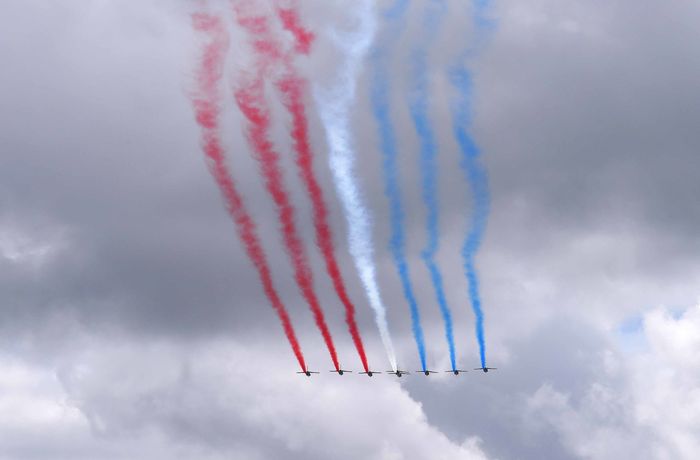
475	173
418	103
381	109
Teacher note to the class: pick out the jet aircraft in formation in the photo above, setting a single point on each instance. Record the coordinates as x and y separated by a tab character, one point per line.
399	372
370	373
485	369
427	372
340	371
456	371
307	373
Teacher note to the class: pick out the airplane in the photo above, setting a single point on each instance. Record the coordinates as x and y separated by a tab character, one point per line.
427	372
340	371
370	373
398	373
485	369
455	371
308	373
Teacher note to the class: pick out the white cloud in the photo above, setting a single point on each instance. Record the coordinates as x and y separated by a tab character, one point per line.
646	405
174	400
22	248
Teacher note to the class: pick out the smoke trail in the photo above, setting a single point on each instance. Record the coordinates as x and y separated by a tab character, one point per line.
478	180
475	173
206	107
290	20
381	108
250	98
335	102
292	87
418	103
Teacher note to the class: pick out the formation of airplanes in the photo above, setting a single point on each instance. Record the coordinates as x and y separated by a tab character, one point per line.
399	373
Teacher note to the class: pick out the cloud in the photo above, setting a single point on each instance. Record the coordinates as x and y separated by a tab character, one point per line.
643	405
209	398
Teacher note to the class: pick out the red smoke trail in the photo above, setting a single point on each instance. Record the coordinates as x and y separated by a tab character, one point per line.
207	113
251	100
292	87
290	20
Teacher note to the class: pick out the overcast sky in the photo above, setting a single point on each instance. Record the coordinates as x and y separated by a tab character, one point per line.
132	325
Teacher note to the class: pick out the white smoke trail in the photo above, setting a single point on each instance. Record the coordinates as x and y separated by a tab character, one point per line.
334	102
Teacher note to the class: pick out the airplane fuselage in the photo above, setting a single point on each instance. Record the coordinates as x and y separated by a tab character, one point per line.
307	373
